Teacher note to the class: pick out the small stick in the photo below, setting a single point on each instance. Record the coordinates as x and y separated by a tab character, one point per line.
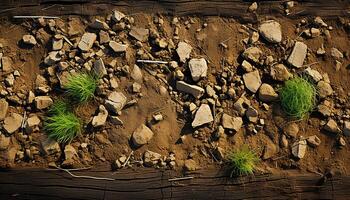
67	40
88	177
34	17
152	61
127	160
181	178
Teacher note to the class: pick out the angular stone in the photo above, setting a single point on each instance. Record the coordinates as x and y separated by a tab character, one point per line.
104	37
336	54
324	89
203	116
232	123
241	104
280	72
247	66
198	68
6	63
87	41
3	108
332	126
313	140
117	16
252	114
70	155
42	102
118	47
291	129
29	39
10	80
57	44
190	165
52	58
252	80
136	74
116	120
116	102
98	24
151	158
140	34
315	75
252	54
298	55
142	135
194	90
101	117
50	147
99	68
267	93
299	149
183	51
31	123
270	150
271	31
12	123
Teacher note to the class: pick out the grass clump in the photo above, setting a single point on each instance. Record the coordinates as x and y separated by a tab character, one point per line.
298	97
62	125
81	87
243	161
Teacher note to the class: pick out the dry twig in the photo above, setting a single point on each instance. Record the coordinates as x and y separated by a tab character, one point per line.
181	178
87	177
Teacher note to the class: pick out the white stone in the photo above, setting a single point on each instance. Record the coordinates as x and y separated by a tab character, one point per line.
198	68
183	51
117	16
142	135
116	101
315	75
324	89
232	123
271	31
194	90
299	149
267	93
100	119
332	126
203	116
140	34
52	58
252	54
136	74
29	39
117	47
298	55
252	81
313	141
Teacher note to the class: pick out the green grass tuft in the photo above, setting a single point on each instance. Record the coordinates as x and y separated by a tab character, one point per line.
59	107
243	161
63	127
81	87
298	97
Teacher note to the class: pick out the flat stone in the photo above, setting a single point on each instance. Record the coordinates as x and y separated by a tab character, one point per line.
99	68
314	74
332	126
87	41
116	102
29	39
140	34
4	142
252	54
346	128
31	123
98	24
12	123
70	155
298	55
6	63
313	140
240	105
203	116
117	47
3	109
252	114
291	129
336	54
232	123
100	119
57	44
104	37
190	165
136	74
52	58
50	147
136	87
252	81
299	149
324	89
198	68
280	72
194	90
10	80
116	120
247	66
151	158
271	31
142	135
183	51
42	102
267	93
117	16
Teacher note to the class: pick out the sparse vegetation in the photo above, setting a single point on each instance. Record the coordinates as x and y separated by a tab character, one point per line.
59	107
242	161
298	97
81	87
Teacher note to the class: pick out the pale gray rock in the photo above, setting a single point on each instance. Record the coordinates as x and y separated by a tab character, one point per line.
117	47
116	102
183	51
203	116
100	119
194	90
267	93
271	30
299	149
198	68
298	55
142	135
252	81
29	39
232	123
140	34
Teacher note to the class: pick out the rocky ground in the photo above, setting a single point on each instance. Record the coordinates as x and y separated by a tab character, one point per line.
176	92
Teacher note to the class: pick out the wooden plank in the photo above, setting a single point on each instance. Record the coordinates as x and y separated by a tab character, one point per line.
154	184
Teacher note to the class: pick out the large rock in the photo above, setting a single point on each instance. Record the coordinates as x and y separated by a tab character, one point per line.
100	118
116	102
298	55
313	140
271	31
142	135
324	89
12	123
6	64
232	123
86	41
52	58
29	39
267	93
140	34
194	90
3	109
198	68
99	68
252	81
183	51
252	54
118	47
280	72
299	149
42	102
203	116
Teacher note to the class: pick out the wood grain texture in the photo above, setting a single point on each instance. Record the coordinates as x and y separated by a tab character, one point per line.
154	184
